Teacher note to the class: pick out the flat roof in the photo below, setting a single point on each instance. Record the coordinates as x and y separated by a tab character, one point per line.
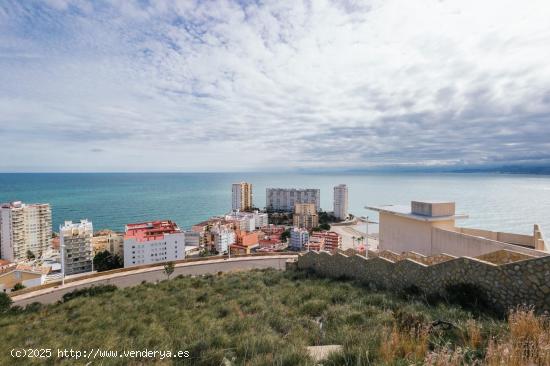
405	211
154	230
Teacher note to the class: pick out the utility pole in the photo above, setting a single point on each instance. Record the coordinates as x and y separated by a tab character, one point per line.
62	262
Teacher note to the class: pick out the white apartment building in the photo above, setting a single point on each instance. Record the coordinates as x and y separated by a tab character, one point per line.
153	242
341	201
243	221
223	238
248	221
75	243
241	198
298	238
261	219
24	228
284	199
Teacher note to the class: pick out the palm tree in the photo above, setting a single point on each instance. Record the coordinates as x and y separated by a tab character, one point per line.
353	238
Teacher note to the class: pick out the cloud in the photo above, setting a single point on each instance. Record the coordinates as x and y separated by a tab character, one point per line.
223	85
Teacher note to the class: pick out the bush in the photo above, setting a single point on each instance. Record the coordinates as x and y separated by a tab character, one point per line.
33	307
5	302
18	286
89	291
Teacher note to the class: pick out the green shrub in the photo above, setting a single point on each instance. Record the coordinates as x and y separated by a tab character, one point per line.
89	291
5	302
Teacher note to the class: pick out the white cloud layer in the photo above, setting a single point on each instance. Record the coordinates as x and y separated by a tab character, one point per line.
221	85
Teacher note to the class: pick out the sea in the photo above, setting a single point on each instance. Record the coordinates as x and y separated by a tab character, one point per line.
503	202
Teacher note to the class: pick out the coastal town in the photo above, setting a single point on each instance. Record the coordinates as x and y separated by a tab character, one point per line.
33	254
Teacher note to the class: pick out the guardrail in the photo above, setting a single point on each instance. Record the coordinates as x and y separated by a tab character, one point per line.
133	268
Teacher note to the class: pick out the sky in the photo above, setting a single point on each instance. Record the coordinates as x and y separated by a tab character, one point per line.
172	85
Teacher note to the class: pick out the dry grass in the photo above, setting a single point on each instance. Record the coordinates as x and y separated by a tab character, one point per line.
449	357
409	344
528	342
473	333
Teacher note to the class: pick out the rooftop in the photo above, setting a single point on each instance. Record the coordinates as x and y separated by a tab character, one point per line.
406	211
147	231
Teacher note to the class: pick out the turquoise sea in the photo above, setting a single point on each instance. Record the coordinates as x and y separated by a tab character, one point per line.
493	201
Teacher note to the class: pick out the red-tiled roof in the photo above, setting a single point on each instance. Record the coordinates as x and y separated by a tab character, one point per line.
147	231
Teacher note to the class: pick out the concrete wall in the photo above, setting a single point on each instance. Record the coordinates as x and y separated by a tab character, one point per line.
463	245
506	285
540	244
400	234
526	240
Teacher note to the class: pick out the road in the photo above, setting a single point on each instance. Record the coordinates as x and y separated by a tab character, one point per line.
133	278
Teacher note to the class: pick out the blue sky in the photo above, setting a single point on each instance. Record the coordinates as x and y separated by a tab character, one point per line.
173	85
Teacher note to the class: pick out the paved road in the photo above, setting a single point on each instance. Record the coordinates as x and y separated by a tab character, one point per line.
133	278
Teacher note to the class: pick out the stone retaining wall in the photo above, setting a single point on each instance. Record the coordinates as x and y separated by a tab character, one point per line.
525	282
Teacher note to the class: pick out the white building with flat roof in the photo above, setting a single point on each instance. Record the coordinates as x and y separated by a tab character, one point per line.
341	201
76	247
223	238
24	228
298	238
153	242
284	199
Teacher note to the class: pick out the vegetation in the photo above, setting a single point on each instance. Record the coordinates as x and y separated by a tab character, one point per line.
322	227
169	269
326	218
30	255
269	318
104	261
285	235
18	286
280	218
5	302
89	291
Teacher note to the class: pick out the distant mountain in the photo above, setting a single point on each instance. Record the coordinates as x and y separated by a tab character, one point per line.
505	169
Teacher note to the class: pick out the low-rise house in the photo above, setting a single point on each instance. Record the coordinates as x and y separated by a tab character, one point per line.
28	277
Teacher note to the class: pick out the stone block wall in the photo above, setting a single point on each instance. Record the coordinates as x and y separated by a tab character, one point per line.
526	282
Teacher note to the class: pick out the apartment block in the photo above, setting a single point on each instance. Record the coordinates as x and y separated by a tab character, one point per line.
332	240
76	247
298	239
153	242
241	196
24	228
305	216
284	199
223	238
110	241
341	202
316	243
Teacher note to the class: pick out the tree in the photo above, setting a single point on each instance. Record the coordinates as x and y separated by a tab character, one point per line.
285	235
169	269
18	286
30	255
5	302
324	226
104	261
